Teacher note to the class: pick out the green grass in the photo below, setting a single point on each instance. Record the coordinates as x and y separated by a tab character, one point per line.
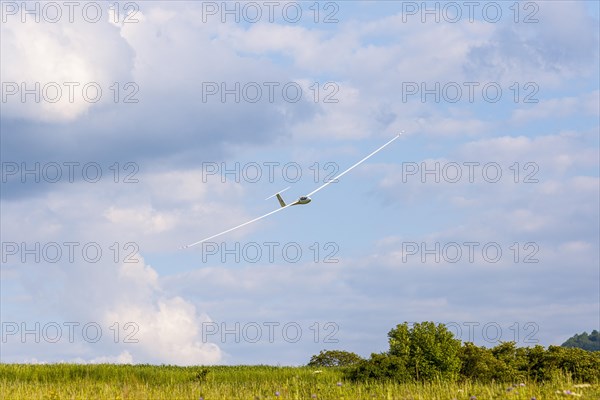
107	381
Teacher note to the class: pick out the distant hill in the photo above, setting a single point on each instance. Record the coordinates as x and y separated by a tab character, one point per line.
584	341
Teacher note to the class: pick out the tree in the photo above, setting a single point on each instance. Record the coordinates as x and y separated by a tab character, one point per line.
429	351
334	358
511	361
584	341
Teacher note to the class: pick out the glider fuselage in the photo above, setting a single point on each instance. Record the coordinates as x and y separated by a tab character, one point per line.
303	200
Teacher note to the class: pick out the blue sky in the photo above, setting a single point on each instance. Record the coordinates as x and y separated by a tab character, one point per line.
483	215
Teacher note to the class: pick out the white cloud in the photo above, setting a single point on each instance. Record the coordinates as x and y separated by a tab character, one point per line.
540	51
60	58
130	313
163	210
553	153
586	104
170	331
140	217
122	358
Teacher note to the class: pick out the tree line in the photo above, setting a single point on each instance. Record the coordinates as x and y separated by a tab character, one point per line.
429	352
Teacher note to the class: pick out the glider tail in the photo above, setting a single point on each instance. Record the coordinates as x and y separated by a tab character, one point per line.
281	202
279	198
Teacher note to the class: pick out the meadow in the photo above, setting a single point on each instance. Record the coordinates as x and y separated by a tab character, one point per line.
109	381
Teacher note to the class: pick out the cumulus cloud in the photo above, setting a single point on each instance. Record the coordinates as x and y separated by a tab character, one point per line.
117	313
69	66
170	331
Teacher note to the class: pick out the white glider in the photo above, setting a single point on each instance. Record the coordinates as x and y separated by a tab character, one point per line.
301	200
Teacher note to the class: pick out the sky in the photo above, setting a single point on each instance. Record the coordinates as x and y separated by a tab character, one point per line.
129	129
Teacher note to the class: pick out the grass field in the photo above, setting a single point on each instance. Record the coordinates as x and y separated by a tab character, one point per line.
106	381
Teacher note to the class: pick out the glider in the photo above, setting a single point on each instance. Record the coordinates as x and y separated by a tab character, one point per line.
301	200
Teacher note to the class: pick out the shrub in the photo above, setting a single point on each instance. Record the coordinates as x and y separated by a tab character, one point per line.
380	367
582	365
478	363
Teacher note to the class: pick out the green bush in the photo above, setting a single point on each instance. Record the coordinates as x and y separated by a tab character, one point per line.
537	367
478	363
380	367
503	363
581	365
